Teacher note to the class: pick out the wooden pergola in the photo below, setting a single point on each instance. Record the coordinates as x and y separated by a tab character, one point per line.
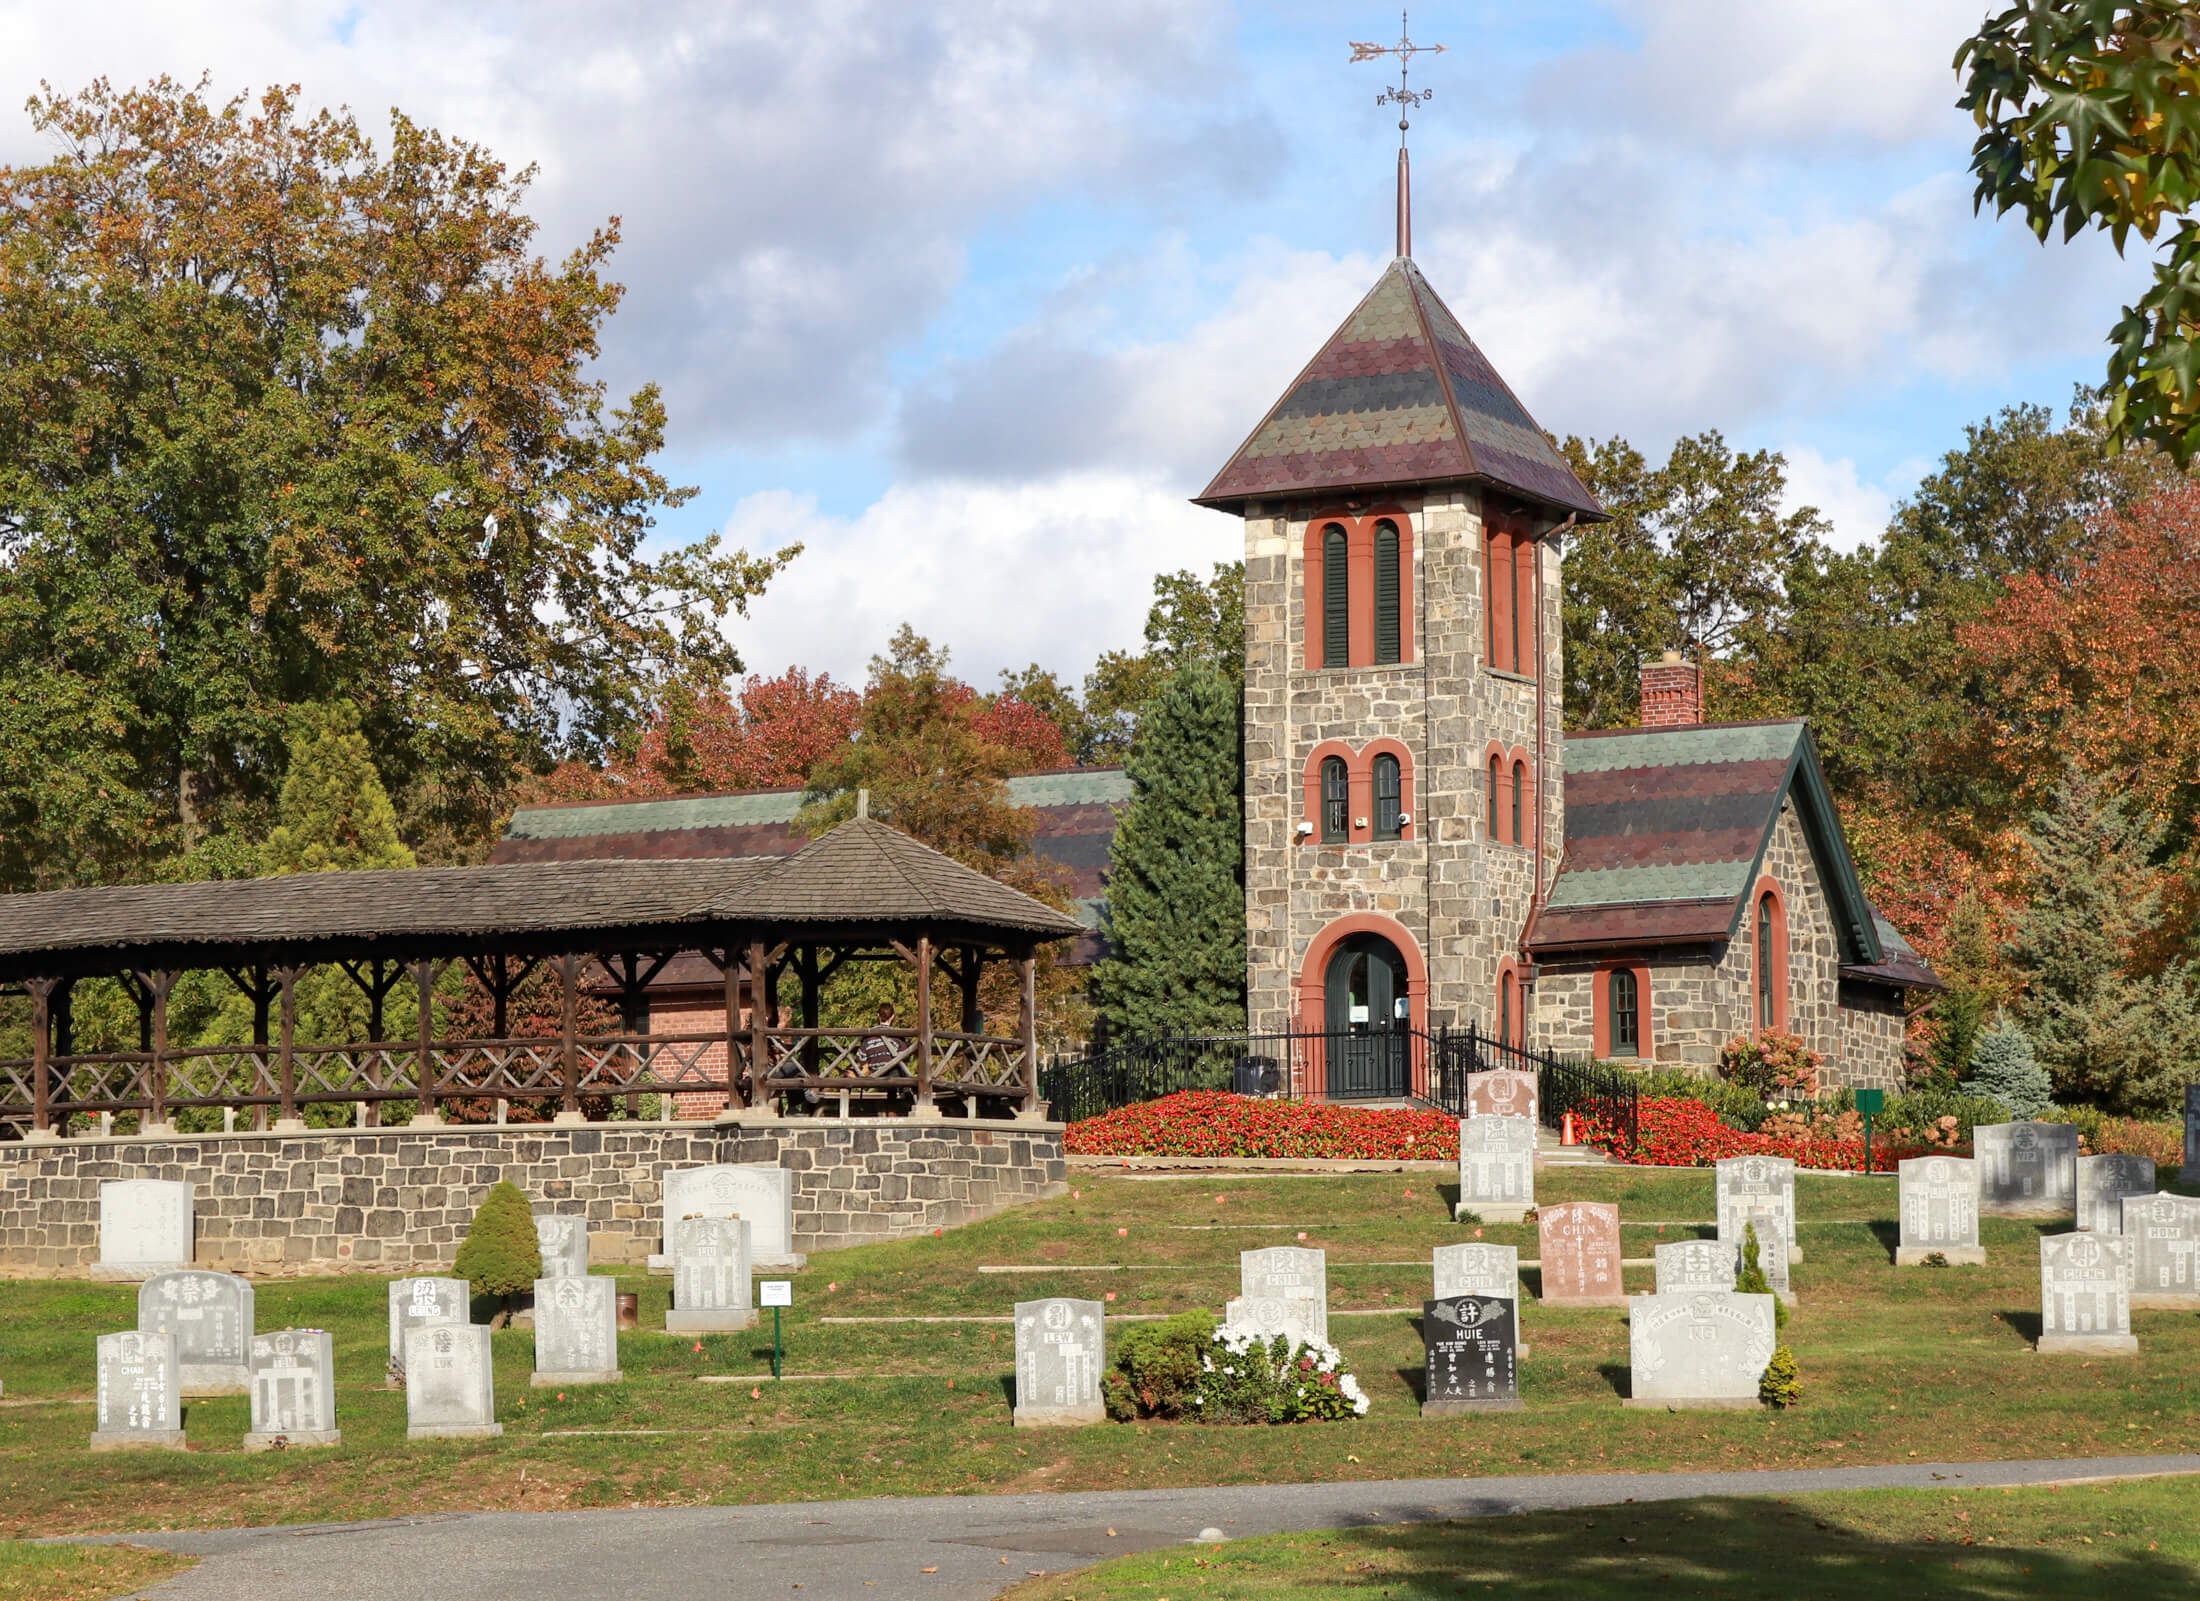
864	892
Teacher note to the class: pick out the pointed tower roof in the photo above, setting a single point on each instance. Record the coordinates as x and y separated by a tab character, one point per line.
1399	395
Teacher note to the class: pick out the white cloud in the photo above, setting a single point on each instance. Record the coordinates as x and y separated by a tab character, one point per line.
1857	508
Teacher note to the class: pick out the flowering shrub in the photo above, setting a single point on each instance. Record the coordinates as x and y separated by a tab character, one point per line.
1779	1067
1215	1123
1246	1379
1676	1132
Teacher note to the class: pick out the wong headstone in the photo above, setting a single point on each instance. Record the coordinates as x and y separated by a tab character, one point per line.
711	1292
1938	1203
1061	1349
1496	1168
1685	1265
2163	1232
1698	1349
1502	1092
420	1303
1760	1190
1579	1244
2103	1182
450	1384
2026	1169
564	1244
576	1332
293	1391
145	1227
1289	1273
139	1406
762	1194
2085	1296
210	1314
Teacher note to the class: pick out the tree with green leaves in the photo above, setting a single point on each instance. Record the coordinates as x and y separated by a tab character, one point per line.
335	812
501	1254
1176	875
2004	1068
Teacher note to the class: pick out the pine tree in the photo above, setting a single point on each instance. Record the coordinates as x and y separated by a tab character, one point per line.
1751	1280
335	812
2003	1066
1176	880
501	1254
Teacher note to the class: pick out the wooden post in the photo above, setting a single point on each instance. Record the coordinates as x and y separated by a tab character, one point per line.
1027	1018
569	1050
760	1044
41	1058
158	985
286	1058
736	1100
973	967
424	1105
925	1106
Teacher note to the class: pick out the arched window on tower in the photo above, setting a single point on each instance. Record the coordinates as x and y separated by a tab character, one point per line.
1389	798
1771	960
1336	802
1508	1001
1520	803
1625	1012
1389	597
1497	784
1336	598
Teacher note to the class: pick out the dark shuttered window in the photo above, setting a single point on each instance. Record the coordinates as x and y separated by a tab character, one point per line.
1336	599
1497	768
1387	596
1389	799
1520	803
1336	801
1626	1015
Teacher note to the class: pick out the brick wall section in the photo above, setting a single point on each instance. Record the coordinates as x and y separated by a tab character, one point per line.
398	1200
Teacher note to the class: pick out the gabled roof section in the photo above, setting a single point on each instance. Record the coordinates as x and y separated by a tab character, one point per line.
1399	395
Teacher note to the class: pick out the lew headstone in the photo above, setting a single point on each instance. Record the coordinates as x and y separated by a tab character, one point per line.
1502	1092
1496	1168
1291	1316
2026	1169
2163	1232
764	1195
1289	1273
710	1277
145	1227
1061	1346
1760	1190
2085	1295
139	1403
1938	1202
1686	1265
418	1303
1470	1355
576	1332
1579	1244
210	1315
1700	1349
450	1387
293	1391
564	1244
2103	1182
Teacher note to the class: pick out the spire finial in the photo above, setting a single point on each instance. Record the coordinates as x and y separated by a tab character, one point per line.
1405	99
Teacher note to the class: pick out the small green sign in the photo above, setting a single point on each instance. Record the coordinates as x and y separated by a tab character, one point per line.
1870	1103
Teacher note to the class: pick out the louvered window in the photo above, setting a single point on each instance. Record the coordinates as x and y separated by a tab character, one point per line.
1520	803
1336	802
1387	596
1497	781
1336	599
1768	1012
1626	1031
1389	799
1498	570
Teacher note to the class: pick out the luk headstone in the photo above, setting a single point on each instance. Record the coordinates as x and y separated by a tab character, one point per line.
418	1303
450	1385
1759	1190
1291	1316
1502	1092
1477	1269
1061	1347
293	1391
576	1332
145	1227
710	1277
2103	1182
1685	1265
2163	1232
139	1402
1579	1244
2085	1295
564	1244
210	1315
762	1194
1470	1355
1496	1168
2026	1169
1937	1198
1290	1273
1698	1349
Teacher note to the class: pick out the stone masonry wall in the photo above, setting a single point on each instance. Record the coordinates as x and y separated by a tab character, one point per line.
399	1200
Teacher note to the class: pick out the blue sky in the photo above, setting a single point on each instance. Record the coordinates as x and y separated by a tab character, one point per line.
969	298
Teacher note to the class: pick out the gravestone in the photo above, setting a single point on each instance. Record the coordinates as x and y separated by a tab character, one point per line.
145	1227
2163	1233
210	1314
763	1194
1579	1244
2085	1295
1502	1092
1289	1272
564	1245
450	1385
576	1332
2103	1182
1477	1269
417	1303
710	1277
2192	1130
1700	1349
139	1402
1760	1190
1938	1206
2026	1169
1496	1168
1061	1348
1470	1355
293	1391
1270	1315
1685	1265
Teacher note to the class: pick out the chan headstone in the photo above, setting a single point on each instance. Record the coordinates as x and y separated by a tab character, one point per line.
1470	1355
1061	1348
210	1315
762	1193
576	1332
145	1227
1759	1190
1289	1272
1579	1244
1937	1198
711	1293
1685	1265
1502	1092
450	1384
293	1391
2103	1182
1698	1349
2026	1169
2085	1295
418	1303
564	1244
2163	1233
139	1403
1496	1168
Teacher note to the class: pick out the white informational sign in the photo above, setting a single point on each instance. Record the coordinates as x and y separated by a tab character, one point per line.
775	1292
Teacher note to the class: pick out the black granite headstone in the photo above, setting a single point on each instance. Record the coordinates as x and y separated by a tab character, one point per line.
1473	1355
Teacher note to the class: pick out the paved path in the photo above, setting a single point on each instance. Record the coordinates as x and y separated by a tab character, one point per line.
958	1548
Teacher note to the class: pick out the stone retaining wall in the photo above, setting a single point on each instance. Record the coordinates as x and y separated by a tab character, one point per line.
399	1200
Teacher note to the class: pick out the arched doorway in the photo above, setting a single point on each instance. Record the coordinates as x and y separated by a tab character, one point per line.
1369	1018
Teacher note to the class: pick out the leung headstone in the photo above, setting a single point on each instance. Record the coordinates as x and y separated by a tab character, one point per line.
1937	1198
2103	1182
1502	1092
576	1332
145	1227
1760	1190
1579	1244
450	1384
2085	1295
2163	1232
1289	1273
417	1303
210	1315
564	1244
1698	1349
2026	1169
1685	1265
293	1391
711	1291
1470	1355
139	1403
1061	1348
1496	1168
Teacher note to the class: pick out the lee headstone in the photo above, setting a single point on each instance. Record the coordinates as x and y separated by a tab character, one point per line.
1470	1356
450	1386
2163	1232
1759	1190
1698	1349
1289	1272
576	1332
1291	1316
145	1227
1937	1197
1579	1244
1061	1347
2085	1295
210	1314
710	1277
139	1403
2026	1169
1502	1092
1479	1270
417	1303
293	1391
763	1194
1496	1168
564	1244
2103	1182
1685	1265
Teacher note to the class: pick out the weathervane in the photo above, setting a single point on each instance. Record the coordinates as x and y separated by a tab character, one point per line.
1406	99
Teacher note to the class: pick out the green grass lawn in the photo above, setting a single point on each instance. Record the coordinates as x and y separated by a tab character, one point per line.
1921	1363
81	1572
2133	1541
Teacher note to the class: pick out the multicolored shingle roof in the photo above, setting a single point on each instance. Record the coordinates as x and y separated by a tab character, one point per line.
1399	395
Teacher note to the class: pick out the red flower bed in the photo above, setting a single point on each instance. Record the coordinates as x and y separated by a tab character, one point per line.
1676	1132
1213	1123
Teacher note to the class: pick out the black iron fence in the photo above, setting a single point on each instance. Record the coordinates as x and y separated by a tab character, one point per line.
1563	1084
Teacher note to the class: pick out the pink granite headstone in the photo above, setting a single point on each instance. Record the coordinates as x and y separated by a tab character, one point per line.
1579	1243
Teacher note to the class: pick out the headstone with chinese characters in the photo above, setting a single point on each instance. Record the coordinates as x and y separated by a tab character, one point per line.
293	1391
1685	1265
210	1315
762	1194
2026	1169
1502	1092
145	1227
1291	1316
1290	1273
1061	1348
1698	1349
1470	1355
1937	1198
710	1277
416	1303
2085	1295
1759	1190
450	1386
1579	1244
1496	1168
2163	1232
1477	1269
140	1404
576	1332
2103	1182
564	1244
2192	1129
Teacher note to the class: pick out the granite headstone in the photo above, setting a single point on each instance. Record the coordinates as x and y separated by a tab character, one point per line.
416	1303
762	1193
1685	1265
2163	1232
1477	1269
450	1385
2103	1182
576	1332
1759	1190
1470	1355
145	1227
1291	1316
1579	1244
1502	1092
711	1292
1289	1272
2026	1169
293	1391
210	1315
1061	1349
139	1403
2085	1295
1698	1349
1937	1199
564	1244
1496	1168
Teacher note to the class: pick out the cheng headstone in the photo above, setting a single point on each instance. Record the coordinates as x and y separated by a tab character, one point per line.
2026	1169
564	1244
2103	1182
1470	1355
145	1227
450	1386
576	1332
417	1303
711	1293
1759	1190
1937	1198
1685	1265
2085	1295
2163	1232
1502	1092
1061	1347
1579	1244
293	1391
1496	1168
139	1402
210	1315
1289	1272
1701	1348
763	1194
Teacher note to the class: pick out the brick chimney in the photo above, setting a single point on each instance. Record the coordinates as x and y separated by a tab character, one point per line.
1672	692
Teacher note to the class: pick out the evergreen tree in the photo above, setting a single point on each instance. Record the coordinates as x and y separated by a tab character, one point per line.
2004	1067
335	812
1176	879
1750	1279
501	1254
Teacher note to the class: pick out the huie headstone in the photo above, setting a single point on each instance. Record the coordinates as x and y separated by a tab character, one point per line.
2103	1182
450	1386
1938	1202
1289	1272
564	1244
1698	1349
1502	1092
210	1315
139	1403
2192	1129
763	1194
1061	1347
1579	1244
2163	1232
2026	1169
1496	1168
2085	1295
1685	1265
1477	1269
576	1332
293	1391
1470	1355
145	1227
1291	1316
1759	1190
711	1293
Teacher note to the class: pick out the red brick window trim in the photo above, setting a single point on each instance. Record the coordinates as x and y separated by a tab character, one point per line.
1614	986
1768	957
1367	624
1512	586
1512	1004
1514	816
